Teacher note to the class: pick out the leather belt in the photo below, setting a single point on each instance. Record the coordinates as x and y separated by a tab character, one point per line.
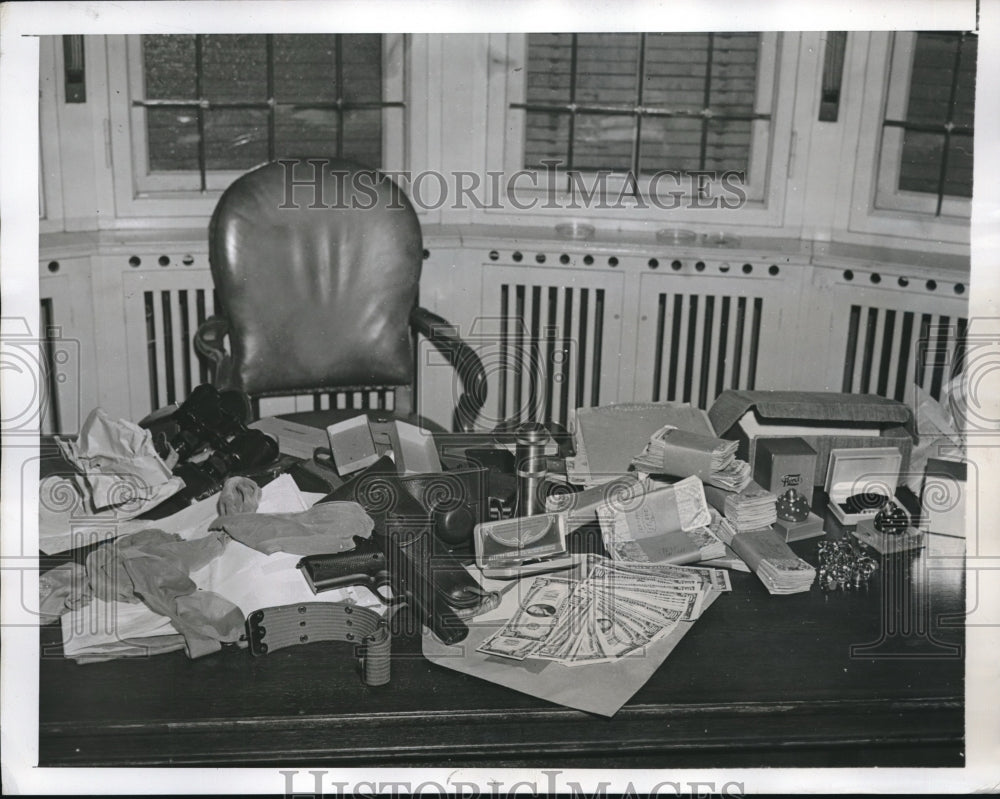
270	629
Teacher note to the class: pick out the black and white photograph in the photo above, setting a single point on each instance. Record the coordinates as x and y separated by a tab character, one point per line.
530	398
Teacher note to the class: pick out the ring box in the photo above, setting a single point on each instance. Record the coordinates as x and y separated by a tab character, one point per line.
885	543
872	472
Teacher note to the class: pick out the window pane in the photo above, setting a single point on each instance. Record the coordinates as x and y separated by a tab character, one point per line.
676	65
546	138
607	69
603	142
305	132
169	67
363	137
727	145
362	60
958	175
305	68
235	138
671	143
234	67
172	138
933	75
550	64
921	164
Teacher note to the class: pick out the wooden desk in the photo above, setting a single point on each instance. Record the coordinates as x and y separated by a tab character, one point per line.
759	681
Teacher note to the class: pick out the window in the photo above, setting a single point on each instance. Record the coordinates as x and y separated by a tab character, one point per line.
207	107
638	105
927	130
641	102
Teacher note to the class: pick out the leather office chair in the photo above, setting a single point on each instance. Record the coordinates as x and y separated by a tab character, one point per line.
318	284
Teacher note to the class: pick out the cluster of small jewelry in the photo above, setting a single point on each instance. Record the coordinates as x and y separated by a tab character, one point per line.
844	566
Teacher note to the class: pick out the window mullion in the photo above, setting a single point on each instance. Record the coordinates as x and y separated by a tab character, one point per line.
572	100
202	158
271	102
640	102
948	125
706	101
338	60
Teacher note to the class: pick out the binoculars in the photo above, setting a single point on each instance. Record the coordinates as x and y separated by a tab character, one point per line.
212	424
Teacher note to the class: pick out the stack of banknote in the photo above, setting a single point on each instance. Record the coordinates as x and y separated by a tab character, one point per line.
770	558
658	523
681	453
616	610
750	509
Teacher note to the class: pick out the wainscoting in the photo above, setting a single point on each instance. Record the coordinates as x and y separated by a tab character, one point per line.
558	324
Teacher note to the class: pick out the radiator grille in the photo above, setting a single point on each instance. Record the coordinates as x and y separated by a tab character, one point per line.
172	318
888	349
704	344
549	360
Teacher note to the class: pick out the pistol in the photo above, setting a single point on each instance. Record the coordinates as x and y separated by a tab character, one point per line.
398	555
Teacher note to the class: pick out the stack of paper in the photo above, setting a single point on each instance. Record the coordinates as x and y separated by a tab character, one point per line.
682	453
616	610
750	509
668	524
606	438
770	558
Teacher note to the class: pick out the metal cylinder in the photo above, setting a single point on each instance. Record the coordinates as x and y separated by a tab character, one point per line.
529	459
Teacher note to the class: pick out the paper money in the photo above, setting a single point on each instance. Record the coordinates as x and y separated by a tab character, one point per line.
534	620
751	509
613	612
770	558
662	525
682	453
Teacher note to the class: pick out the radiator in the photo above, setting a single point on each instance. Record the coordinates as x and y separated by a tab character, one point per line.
549	341
703	345
888	349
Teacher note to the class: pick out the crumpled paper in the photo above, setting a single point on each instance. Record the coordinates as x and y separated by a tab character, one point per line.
117	476
114	458
940	426
323	529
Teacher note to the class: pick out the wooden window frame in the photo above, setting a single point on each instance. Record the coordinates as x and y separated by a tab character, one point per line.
768	162
879	208
140	193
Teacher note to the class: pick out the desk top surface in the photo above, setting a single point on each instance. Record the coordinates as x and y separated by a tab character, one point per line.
871	677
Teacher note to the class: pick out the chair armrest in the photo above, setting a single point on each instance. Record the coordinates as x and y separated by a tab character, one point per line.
461	356
209	344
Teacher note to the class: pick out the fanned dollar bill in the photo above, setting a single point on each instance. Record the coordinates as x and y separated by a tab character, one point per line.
616	610
534	620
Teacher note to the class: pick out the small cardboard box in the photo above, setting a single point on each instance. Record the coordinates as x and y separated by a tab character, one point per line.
824	420
799	531
885	543
861	471
943	497
783	463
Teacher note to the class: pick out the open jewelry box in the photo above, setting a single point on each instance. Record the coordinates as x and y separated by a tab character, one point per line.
859	482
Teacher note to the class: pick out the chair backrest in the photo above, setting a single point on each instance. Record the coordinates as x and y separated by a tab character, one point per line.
316	264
